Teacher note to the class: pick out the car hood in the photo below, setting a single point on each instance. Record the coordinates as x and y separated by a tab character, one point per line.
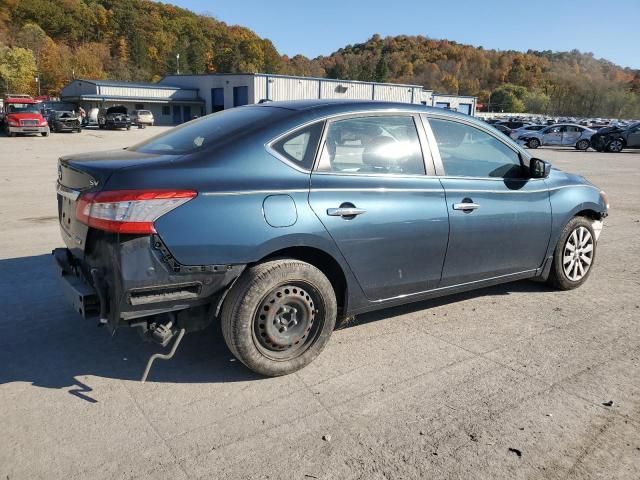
560	177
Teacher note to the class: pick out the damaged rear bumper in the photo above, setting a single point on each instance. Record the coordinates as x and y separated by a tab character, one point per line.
124	280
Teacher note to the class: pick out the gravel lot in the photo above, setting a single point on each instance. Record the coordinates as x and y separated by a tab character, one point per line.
508	382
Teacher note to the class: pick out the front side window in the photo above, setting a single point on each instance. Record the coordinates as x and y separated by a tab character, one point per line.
467	151
378	145
300	146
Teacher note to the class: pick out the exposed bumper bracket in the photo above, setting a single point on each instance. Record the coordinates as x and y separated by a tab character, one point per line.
163	356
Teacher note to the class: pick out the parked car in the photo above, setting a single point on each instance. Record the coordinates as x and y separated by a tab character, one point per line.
515	134
114	117
279	219
65	122
514	124
503	129
615	139
142	117
569	135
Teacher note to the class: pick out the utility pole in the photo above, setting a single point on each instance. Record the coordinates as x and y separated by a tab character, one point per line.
178	63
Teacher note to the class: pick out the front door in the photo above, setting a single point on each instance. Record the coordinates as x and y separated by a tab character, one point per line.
387	217
633	139
552	136
186	113
177	117
500	220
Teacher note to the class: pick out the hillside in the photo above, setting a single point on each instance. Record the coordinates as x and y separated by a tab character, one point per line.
139	40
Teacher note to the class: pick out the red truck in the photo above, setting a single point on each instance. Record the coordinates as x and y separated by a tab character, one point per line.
22	115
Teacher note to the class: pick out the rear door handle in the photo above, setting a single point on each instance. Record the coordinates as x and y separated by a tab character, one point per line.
466	206
345	211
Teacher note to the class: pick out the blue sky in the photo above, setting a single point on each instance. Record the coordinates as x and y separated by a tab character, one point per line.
609	30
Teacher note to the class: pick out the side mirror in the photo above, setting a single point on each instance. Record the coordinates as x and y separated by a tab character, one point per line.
539	168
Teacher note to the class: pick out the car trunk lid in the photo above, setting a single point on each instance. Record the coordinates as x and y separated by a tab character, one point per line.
78	174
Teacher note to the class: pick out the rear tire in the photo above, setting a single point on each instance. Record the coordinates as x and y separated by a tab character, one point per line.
533	143
582	145
574	255
279	316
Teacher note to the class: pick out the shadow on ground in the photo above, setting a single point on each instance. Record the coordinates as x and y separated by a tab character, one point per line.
47	344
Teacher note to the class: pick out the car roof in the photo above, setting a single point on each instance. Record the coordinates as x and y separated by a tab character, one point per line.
317	108
349	104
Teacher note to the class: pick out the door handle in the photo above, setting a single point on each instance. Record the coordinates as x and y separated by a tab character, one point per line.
345	211
466	206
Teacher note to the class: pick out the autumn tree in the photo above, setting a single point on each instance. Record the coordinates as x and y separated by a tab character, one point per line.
17	70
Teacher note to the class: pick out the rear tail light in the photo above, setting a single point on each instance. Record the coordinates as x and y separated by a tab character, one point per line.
129	211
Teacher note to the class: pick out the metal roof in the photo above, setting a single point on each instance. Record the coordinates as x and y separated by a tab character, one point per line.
294	77
122	99
116	83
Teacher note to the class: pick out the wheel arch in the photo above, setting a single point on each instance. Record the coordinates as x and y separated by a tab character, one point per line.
324	262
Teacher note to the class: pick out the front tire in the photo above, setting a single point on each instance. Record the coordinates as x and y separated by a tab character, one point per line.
615	145
533	143
279	316
574	255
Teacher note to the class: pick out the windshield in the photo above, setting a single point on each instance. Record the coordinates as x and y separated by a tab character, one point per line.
203	132
24	108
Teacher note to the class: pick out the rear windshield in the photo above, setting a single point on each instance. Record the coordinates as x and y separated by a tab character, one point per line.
204	132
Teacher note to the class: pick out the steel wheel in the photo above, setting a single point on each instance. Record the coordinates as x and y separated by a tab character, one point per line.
577	254
287	321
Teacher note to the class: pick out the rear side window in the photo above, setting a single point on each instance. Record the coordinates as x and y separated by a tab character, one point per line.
300	146
380	145
206	131
467	151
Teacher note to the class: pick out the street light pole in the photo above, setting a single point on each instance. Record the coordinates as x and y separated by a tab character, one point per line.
178	63
38	82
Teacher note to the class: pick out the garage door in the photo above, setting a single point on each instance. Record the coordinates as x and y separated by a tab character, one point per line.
464	108
442	104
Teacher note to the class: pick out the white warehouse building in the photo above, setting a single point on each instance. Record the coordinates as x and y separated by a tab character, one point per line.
178	98
221	91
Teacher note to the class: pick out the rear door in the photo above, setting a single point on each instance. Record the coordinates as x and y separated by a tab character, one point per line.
570	134
500	220
371	191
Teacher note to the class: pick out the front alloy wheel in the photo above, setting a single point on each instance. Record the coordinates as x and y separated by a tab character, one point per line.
533	143
616	146
578	254
574	255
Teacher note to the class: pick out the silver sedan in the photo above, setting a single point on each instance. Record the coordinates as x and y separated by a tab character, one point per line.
568	134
